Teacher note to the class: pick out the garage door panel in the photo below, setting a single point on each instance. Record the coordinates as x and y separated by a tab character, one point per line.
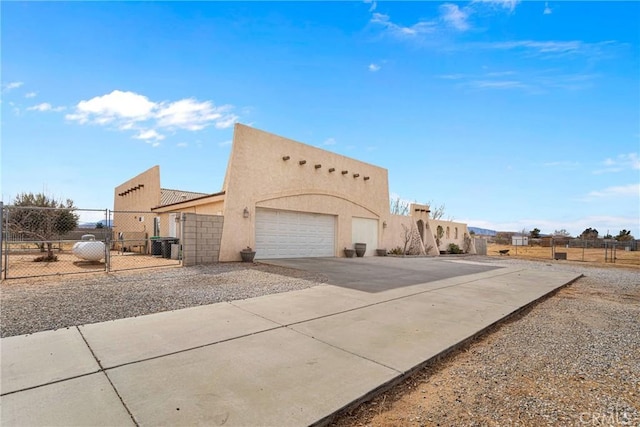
287	234
365	230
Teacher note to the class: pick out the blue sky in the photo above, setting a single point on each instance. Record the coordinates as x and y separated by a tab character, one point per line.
512	114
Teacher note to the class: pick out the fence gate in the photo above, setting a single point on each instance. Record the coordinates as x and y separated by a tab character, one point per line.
38	241
138	240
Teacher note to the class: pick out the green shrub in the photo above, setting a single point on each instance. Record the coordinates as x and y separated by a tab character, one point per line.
396	251
454	249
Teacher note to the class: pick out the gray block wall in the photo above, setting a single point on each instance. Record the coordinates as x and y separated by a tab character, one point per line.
201	236
481	246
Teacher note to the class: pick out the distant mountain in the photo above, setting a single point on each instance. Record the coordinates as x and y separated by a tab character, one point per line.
94	224
482	231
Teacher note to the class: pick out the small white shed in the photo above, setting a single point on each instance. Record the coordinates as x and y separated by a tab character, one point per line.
520	241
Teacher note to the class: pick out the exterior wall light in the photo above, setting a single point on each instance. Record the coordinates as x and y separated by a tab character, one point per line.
355	175
345	172
384	224
317	166
302	162
245	213
366	178
285	158
332	169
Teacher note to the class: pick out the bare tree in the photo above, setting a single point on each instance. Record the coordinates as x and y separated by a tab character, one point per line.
399	207
41	218
439	235
412	241
437	211
561	233
467	243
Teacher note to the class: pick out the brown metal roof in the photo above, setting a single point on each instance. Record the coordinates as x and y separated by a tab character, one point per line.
185	200
168	197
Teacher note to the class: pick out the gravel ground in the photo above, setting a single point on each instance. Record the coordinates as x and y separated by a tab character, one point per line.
573	359
28	306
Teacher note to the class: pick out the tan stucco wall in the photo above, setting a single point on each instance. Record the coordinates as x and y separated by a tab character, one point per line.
393	235
445	241
257	176
139	198
138	194
213	206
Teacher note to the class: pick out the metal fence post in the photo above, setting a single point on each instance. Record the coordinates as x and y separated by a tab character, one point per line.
2	241
6	244
107	243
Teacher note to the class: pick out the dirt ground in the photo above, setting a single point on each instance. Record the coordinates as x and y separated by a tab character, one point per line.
571	360
591	256
21	264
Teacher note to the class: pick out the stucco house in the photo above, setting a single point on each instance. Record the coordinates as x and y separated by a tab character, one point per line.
287	199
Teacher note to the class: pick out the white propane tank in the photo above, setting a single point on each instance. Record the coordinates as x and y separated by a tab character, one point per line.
89	249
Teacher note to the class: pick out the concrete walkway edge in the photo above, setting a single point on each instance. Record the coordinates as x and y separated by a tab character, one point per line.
296	358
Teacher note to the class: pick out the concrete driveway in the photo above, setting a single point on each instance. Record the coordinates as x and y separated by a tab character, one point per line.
377	274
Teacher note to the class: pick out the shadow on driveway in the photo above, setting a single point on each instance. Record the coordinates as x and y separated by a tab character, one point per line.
377	274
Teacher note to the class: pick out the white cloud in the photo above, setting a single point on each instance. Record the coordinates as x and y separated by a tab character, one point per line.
373	4
497	84
550	48
422	27
31	94
329	141
374	67
11	85
542	47
133	111
506	4
451	76
454	16
192	115
227	121
534	82
621	163
182	144
617	191
451	15
564	164
149	134
45	106
224	143
117	105
630	160
547	9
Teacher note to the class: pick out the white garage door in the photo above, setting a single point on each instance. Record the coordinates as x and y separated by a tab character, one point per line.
365	230
288	234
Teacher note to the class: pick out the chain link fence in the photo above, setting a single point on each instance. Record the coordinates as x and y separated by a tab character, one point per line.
595	250
38	241
624	252
138	240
